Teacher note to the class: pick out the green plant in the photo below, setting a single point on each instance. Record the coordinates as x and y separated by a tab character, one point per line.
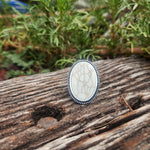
139	24
126	25
56	34
53	31
88	54
4	7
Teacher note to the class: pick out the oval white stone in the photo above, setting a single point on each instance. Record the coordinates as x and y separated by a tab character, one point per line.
83	82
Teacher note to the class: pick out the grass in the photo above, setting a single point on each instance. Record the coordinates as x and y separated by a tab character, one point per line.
55	34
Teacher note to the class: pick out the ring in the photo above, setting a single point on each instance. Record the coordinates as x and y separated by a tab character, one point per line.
83	82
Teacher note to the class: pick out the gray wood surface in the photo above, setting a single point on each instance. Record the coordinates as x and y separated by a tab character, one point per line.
36	112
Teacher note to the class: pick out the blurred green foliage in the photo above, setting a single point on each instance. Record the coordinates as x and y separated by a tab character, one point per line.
56	34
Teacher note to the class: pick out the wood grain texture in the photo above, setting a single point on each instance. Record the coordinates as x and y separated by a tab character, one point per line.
36	112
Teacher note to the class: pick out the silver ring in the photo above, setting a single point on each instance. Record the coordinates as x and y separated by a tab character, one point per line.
83	82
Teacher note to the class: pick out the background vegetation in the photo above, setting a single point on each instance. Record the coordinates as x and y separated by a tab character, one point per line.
54	34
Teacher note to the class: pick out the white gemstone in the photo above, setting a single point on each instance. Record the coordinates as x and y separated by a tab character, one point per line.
83	81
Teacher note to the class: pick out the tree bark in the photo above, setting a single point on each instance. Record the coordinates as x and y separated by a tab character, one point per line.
36	112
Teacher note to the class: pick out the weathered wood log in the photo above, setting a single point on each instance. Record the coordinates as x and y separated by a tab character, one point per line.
36	112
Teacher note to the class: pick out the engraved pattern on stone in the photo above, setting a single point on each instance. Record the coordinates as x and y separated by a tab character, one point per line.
83	81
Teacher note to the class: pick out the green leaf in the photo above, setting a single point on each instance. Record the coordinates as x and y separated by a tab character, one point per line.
45	71
56	41
16	58
135	6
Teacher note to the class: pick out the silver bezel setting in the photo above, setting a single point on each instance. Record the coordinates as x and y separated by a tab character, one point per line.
69	89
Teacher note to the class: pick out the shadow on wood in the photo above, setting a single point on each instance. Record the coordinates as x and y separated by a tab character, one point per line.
36	112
